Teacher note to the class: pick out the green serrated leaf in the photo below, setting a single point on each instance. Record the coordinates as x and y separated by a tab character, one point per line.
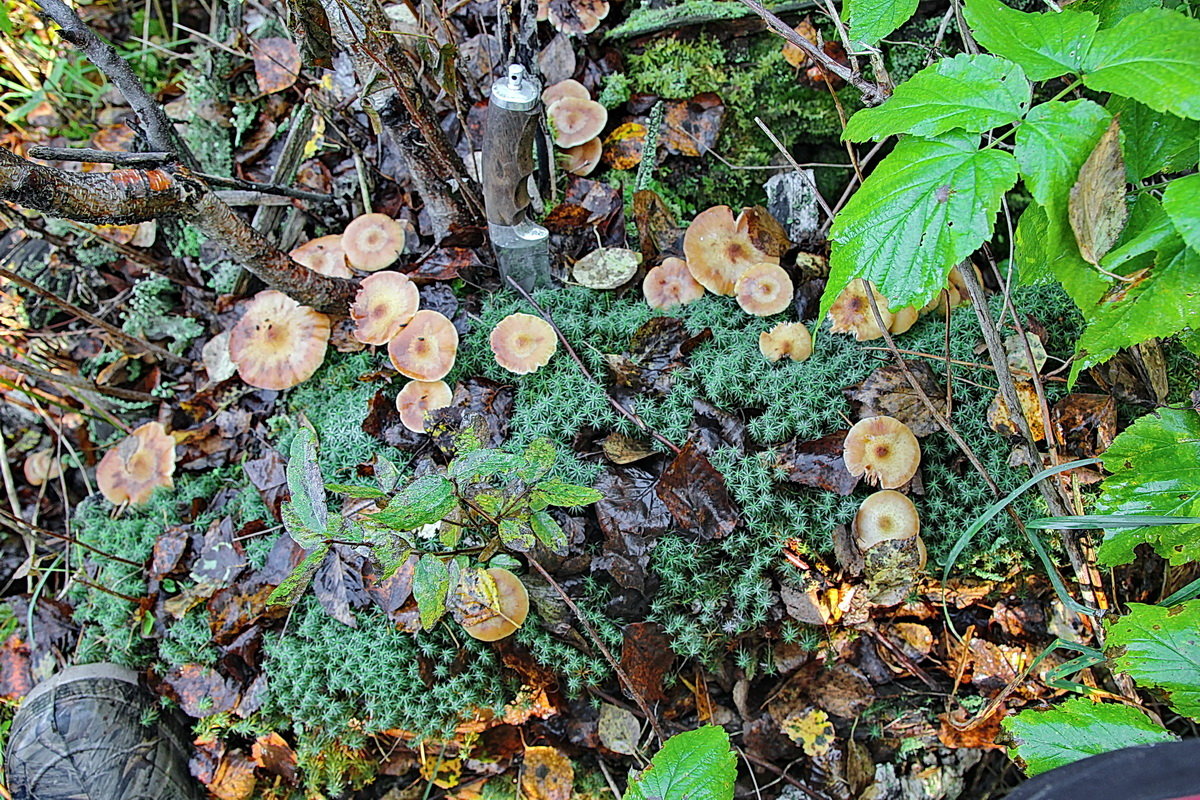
480	464
389	553
1181	201
971	93
1043	243
697	765
1077	729
424	501
549	532
1152	141
1151	56
431	582
294	585
1155	466
303	535
923	210
539	460
516	535
1053	142
871	20
361	492
387	474
1160	648
305	482
1045	45
1110	12
567	495
1149	229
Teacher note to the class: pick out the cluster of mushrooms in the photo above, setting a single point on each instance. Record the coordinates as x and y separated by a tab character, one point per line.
851	313
576	120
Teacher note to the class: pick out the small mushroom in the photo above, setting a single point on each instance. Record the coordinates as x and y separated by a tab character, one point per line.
903	319
568	88
789	339
385	303
764	289
883	450
323	255
852	313
139	464
278	343
41	467
523	343
582	159
575	120
509	613
719	248
885	516
573	17
373	241
425	348
671	284
418	397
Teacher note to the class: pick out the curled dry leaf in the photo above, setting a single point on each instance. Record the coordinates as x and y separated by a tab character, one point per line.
691	127
1001	421
1097	209
887	392
794	55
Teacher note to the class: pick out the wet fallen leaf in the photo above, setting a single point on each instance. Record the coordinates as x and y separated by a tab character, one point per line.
623	147
200	690
546	774
221	558
338	584
234	777
1001	421
232	610
391	593
887	392
272	753
1085	424
658	230
16	677
632	515
656	349
276	63
1097	209
812	730
818	464
842	691
647	658
168	551
691	127
445	264
620	448
309	23
696	495
484	404
618	729
794	55
606	267
1014	349
982	735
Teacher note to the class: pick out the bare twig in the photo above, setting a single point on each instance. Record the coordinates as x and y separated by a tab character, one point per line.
15	521
75	382
94	156
787	155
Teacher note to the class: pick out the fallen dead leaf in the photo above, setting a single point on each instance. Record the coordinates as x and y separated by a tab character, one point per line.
276	63
691	127
1085	424
623	147
1002	422
1097	209
618	729
887	392
812	730
818	464
547	774
272	752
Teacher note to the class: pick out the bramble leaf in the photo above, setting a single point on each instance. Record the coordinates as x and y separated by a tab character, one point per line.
1155	466
1053	142
871	20
1160	647
359	492
1181	201
1151	56
1044	242
549	532
1077	729
516	535
568	495
697	765
431	582
924	209
295	584
305	483
1152	141
424	501
1046	45
972	93
482	464
1110	12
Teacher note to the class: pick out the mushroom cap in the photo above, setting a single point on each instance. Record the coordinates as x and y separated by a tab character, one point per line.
764	289
903	319
140	463
514	608
883	516
575	17
385	303
851	312
568	88
523	343
41	466
278	343
789	339
323	255
719	249
883	450
373	241
576	120
418	397
671	284
425	348
583	158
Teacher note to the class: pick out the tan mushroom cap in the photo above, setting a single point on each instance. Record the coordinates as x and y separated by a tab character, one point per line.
884	516
385	303
671	284
582	159
903	319
41	467
505	620
323	255
575	17
764	289
883	450
278	343
789	339
373	241
523	343
719	249
418	397
139	464
576	120
851	312
425	348
568	88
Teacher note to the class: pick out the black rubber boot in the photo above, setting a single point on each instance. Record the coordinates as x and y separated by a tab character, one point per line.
81	735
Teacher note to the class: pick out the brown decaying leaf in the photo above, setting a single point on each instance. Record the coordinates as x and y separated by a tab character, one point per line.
1097	209
886	392
818	464
1001	420
632	515
1085	424
276	63
623	147
445	264
200	690
16	677
656	349
982	736
392	592
658	231
546	774
794	55
484	405
620	448
696	495
338	584
646	657
842	691
691	127
310	25
234	777
275	755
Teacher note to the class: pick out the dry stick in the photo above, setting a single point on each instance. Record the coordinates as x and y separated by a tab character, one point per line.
853	183
93	156
76	382
121	336
955	361
771	767
612	662
620	409
872	93
69	539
